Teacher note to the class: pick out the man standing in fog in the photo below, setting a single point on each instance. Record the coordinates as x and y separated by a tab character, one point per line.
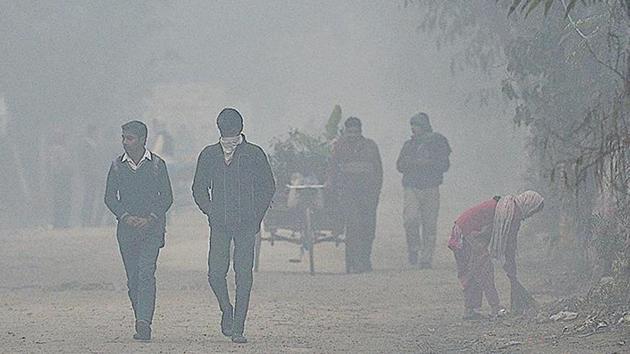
233	187
138	192
423	161
356	177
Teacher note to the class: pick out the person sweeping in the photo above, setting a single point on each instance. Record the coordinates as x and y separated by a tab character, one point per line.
489	231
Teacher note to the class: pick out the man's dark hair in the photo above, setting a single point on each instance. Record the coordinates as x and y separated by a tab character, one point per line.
136	127
352	122
229	122
422	120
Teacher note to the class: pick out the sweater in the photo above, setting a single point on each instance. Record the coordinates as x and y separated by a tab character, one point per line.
145	192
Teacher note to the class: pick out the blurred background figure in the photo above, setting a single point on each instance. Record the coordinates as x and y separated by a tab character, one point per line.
163	143
90	172
59	165
422	161
356	175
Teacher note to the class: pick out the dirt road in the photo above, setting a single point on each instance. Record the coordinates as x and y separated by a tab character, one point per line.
64	291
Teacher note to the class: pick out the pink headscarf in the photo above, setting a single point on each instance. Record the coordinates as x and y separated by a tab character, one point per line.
528	203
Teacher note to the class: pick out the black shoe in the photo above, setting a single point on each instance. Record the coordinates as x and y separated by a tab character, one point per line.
143	330
471	315
425	265
239	339
227	321
413	258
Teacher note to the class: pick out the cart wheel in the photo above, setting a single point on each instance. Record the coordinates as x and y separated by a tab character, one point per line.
310	238
257	250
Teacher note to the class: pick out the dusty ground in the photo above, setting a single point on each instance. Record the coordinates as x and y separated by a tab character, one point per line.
64	291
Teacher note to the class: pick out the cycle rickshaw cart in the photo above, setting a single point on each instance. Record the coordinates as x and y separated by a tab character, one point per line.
307	223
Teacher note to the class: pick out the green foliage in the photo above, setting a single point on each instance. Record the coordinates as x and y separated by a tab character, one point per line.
527	6
473	27
332	126
299	152
304	153
566	75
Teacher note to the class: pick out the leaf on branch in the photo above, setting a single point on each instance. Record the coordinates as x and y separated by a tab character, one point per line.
532	5
508	90
525	5
513	7
548	4
570	7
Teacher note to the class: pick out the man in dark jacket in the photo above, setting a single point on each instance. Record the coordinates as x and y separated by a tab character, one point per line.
233	187
138	192
356	177
423	160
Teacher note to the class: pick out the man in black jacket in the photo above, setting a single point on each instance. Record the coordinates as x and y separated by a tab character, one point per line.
233	187
138	192
423	160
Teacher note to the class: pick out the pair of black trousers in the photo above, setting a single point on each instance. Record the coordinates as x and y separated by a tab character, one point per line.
243	264
360	222
139	251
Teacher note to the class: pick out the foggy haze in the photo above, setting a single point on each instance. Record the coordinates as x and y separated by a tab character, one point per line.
282	64
286	64
72	72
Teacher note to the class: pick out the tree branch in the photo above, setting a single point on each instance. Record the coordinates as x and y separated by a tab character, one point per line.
588	44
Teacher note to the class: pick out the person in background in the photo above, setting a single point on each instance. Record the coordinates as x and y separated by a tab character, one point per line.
356	177
60	170
138	192
90	174
423	161
233	186
163	143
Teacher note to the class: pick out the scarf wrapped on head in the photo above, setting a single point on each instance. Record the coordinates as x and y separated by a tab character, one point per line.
507	210
229	145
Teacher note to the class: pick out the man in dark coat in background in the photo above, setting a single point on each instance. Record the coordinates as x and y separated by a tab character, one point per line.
356	177
423	160
138	192
233	187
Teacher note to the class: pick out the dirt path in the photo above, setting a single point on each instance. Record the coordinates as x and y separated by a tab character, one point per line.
65	292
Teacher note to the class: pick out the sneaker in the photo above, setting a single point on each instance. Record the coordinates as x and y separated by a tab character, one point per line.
471	314
227	320
143	330
498	312
239	339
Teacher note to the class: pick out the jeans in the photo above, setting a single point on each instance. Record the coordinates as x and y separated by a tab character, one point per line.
139	253
243	264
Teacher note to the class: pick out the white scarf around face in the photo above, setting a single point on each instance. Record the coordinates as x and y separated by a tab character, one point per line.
229	145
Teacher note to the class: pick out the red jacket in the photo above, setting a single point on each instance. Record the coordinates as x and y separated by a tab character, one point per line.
472	221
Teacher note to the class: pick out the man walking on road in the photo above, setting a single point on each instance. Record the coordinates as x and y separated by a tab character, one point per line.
356	177
423	161
233	187
138	192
